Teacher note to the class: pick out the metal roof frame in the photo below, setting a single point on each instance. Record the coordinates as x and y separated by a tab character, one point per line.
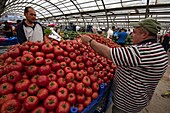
102	13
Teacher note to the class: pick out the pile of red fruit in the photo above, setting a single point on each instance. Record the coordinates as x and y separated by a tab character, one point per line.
51	77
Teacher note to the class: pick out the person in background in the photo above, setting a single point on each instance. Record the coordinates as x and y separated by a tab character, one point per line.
129	39
139	66
15	30
159	37
29	29
94	30
7	30
110	32
165	41
121	38
99	32
115	34
128	31
18	22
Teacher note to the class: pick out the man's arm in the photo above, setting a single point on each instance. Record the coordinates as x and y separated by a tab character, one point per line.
99	48
128	56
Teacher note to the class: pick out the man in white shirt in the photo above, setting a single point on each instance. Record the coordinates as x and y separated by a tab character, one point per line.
110	32
29	29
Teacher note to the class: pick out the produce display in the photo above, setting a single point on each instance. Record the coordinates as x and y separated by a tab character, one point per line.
72	35
52	76
103	40
69	35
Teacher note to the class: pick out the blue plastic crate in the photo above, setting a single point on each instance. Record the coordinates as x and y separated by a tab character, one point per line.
109	101
99	105
104	102
9	41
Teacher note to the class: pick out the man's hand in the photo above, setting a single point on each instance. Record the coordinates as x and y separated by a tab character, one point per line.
85	38
99	48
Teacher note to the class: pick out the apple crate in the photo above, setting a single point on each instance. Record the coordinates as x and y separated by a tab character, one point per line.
100	104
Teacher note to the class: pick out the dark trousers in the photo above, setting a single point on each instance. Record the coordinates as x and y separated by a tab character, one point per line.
116	110
165	43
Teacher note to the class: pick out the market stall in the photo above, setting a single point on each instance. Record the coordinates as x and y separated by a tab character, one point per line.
53	76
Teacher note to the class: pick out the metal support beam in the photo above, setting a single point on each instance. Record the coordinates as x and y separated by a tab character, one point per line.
10	5
2	6
105	13
147	9
119	9
18	10
79	12
128	19
121	3
55	6
61	3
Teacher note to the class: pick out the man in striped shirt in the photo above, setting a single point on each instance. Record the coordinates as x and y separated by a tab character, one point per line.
139	67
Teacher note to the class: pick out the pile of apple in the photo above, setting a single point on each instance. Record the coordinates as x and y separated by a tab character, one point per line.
51	77
102	40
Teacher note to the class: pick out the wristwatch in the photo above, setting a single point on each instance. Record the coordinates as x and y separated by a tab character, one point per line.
90	41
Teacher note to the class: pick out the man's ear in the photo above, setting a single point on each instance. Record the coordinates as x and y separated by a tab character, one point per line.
145	35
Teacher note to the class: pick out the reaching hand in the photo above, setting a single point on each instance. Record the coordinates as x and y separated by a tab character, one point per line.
85	38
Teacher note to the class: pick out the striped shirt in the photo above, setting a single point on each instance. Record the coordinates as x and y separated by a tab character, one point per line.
139	69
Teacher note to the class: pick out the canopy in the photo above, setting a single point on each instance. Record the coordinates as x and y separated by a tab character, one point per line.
101	13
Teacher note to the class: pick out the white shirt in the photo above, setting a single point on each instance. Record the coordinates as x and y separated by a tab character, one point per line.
109	33
35	34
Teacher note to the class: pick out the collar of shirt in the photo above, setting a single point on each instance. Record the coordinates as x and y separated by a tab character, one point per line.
28	25
152	40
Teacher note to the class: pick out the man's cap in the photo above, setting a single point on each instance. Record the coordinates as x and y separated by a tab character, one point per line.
149	24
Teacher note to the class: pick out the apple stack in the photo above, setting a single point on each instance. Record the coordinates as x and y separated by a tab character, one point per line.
52	76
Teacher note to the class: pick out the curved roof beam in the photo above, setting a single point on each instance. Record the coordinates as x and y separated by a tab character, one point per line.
79	12
16	6
97	21
14	12
61	2
105	13
118	9
147	9
2	6
121	2
55	6
9	5
11	1
96	15
66	8
10	9
15	2
63	5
